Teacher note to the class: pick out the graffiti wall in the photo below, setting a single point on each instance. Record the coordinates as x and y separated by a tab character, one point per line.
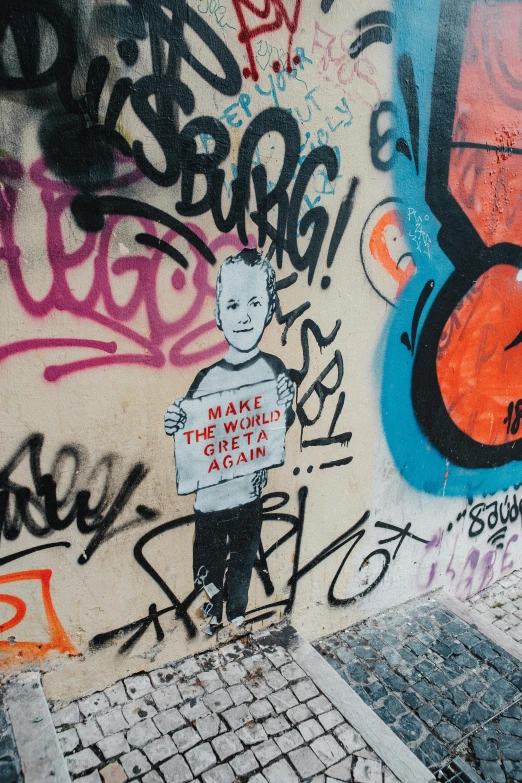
259	266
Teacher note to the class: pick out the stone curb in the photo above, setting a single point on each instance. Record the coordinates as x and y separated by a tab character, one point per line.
475	619
35	736
391	750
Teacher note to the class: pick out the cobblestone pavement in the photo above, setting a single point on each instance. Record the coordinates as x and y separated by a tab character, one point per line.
501	604
242	712
436	681
9	763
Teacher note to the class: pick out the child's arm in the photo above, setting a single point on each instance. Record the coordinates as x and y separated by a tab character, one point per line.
285	397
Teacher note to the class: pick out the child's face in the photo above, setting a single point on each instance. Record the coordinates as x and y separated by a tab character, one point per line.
243	305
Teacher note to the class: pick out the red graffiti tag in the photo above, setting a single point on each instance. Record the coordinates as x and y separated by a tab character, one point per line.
272	16
139	319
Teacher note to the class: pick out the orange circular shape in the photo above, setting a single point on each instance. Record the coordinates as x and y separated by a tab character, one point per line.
479	361
20	612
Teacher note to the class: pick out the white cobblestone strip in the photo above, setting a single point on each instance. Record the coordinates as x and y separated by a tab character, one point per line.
247	711
394	753
501	604
36	741
469	614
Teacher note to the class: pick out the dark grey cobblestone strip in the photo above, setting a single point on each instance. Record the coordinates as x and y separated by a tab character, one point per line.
10	771
432	678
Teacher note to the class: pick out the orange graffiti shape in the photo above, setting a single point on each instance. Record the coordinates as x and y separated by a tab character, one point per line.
26	652
479	360
389	229
485	174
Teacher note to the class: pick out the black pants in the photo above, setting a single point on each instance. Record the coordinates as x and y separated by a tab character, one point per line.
234	533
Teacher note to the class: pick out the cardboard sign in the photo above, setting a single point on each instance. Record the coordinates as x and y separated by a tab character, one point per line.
229	434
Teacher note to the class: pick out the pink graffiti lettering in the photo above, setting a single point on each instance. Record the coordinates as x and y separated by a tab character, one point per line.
140	319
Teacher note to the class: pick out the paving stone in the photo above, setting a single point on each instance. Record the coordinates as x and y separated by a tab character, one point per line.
142	732
329	720
218	701
306	762
222	774
484	749
187	668
160	749
258	687
83	761
252	733
138	685
227	745
237	716
276	725
244	763
233	673
194	709
167	697
168	721
261	709
112	722
299	714
191	690
266	752
280	772
349	738
201	758
68	740
152	777
113	773
319	705
240	694
113	746
134	711
342	770
434	749
94	704
186	738
447	732
291	672
492	772
328	750
304	690
93	777
367	771
289	741
163	676
259	778
310	729
210	680
510	747
275	680
176	770
209	726
66	716
277	656
257	663
116	694
89	732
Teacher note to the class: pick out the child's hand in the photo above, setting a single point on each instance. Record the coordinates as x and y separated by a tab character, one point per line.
175	417
285	390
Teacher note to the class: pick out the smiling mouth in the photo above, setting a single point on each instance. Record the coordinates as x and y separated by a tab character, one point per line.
239	331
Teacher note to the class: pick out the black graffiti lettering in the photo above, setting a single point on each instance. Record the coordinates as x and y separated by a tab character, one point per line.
321	390
477	524
41	511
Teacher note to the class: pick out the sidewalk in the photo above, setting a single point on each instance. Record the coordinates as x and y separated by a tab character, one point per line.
246	711
413	695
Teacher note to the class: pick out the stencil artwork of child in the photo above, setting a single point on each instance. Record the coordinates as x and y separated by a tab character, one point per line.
228	515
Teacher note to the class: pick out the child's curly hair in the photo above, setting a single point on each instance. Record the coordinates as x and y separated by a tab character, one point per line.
251	257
